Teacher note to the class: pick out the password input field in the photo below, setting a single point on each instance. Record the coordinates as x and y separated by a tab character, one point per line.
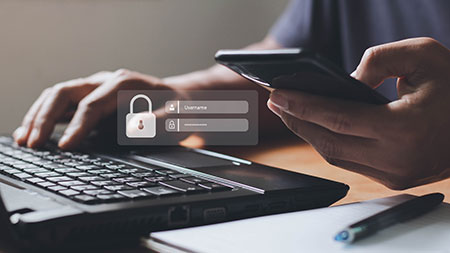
206	125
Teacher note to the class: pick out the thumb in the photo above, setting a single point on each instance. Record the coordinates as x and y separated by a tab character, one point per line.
397	59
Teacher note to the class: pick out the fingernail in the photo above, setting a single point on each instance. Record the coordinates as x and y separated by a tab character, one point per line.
19	133
278	100
33	137
63	140
353	74
273	108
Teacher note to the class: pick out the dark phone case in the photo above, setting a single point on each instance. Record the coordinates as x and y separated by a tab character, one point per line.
301	70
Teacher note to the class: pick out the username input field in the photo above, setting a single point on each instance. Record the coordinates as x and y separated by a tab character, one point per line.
207	107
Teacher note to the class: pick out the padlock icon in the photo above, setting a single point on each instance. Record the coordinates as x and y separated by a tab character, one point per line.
142	124
171	125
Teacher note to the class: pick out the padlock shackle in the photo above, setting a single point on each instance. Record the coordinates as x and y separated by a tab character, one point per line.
137	97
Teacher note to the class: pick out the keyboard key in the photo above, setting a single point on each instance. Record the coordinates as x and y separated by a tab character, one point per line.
66	170
22	175
128	170
126	179
53	166
100	171
42	162
35	180
144	174
46	184
135	194
11	171
97	192
71	183
25	166
36	170
120	187
59	179
16	162
161	191
183	186
102	163
47	174
103	183
91	178
78	174
158	179
215	187
57	188
90	159
69	192
85	198
4	167
113	175
73	164
115	166
193	180
87	167
84	187
55	157
141	184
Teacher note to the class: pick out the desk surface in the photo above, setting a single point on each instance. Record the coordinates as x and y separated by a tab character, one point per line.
300	157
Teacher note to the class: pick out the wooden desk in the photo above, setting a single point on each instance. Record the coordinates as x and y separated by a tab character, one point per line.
301	157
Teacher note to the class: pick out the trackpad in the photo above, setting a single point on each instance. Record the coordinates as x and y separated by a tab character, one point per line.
266	178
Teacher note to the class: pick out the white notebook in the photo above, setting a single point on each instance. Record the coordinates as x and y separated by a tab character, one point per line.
313	231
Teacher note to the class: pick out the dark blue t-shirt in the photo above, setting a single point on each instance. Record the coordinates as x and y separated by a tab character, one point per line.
343	29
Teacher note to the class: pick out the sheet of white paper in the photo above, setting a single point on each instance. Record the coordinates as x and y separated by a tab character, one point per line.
314	230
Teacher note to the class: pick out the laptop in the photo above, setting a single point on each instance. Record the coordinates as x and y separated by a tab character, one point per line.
54	198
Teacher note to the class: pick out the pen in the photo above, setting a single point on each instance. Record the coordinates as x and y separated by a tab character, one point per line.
399	213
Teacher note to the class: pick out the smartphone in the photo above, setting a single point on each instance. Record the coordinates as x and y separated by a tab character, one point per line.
298	69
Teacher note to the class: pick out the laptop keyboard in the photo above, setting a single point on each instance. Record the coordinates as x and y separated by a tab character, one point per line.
91	179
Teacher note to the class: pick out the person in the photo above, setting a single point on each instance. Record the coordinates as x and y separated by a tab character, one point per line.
401	144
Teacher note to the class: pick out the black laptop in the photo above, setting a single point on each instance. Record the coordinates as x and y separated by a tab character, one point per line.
55	198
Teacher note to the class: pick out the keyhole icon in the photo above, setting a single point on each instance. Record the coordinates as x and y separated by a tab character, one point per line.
141	125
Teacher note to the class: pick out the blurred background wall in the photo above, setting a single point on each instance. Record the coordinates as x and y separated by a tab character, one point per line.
43	42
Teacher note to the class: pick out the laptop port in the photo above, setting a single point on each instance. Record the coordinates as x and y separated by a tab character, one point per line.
179	215
214	214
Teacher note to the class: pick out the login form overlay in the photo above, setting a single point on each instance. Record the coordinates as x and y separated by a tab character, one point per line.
166	117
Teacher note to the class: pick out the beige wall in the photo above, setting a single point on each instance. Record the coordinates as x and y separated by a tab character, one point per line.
43	42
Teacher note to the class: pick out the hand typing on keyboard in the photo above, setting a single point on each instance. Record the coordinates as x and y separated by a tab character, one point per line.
95	98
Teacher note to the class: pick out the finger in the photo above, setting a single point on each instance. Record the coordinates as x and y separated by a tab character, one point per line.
95	106
84	120
21	134
332	145
60	99
396	59
339	116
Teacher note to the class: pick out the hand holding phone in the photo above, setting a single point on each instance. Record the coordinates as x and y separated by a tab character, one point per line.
298	69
